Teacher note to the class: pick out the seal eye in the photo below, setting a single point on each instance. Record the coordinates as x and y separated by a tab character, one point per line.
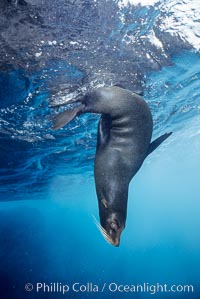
114	226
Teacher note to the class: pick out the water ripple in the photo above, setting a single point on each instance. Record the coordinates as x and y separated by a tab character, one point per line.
66	52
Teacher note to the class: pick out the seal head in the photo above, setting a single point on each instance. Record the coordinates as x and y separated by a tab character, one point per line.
112	222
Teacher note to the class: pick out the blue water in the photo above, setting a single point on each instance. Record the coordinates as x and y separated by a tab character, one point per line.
47	231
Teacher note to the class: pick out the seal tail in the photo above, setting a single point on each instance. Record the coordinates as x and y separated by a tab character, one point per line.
157	142
63	118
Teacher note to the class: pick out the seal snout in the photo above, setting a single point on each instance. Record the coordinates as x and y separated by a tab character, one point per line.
111	230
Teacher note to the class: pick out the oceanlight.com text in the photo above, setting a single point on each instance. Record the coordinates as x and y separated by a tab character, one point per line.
112	287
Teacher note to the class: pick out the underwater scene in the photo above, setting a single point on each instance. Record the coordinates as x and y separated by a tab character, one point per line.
52	52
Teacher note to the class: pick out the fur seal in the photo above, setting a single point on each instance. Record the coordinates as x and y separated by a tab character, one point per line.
123	143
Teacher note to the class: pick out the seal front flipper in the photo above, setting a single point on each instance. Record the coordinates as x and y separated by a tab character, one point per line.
157	142
63	118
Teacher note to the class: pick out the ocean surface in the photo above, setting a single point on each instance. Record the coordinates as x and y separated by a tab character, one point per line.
52	51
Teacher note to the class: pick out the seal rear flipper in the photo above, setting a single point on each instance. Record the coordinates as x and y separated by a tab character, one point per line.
63	118
157	142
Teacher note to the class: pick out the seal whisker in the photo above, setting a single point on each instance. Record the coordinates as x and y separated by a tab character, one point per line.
100	228
102	231
107	238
